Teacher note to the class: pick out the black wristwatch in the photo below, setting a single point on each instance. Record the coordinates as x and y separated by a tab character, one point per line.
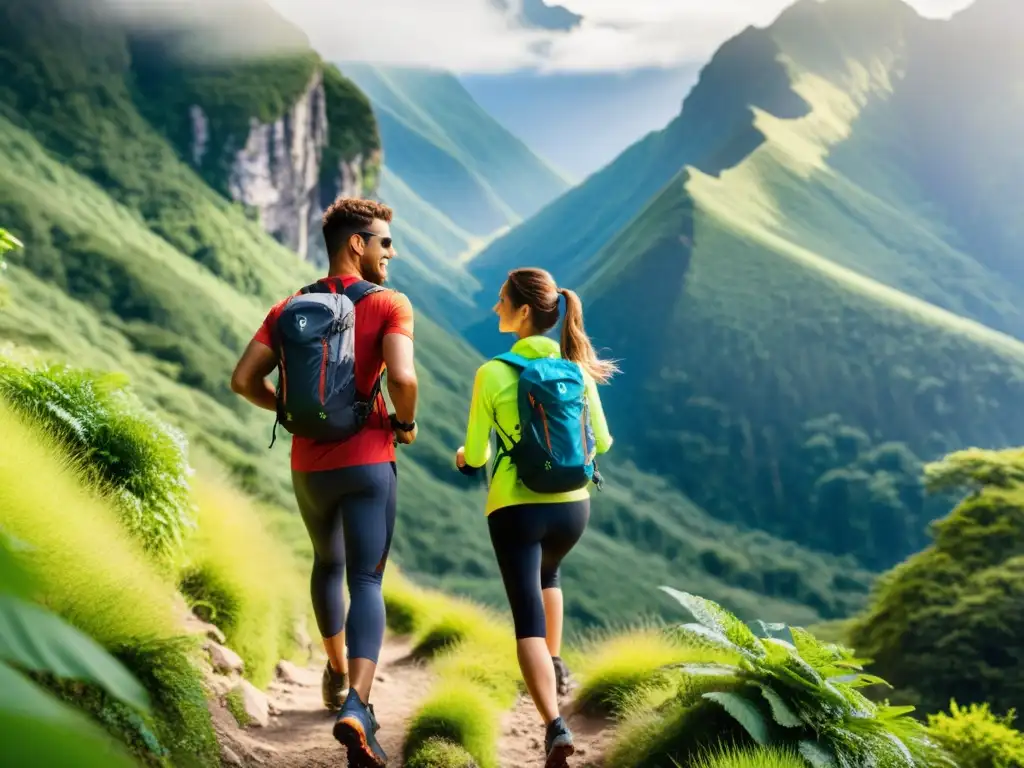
401	426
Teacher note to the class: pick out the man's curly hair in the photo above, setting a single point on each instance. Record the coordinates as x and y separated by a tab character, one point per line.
348	215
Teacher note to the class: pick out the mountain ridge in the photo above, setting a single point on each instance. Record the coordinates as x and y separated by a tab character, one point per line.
765	402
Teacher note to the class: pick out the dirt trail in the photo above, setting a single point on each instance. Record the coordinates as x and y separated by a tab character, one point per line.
522	741
300	735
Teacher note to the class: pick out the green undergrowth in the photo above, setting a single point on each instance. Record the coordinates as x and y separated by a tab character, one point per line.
751	758
115	442
472	655
72	444
440	753
946	623
238	577
976	738
91	572
615	671
771	686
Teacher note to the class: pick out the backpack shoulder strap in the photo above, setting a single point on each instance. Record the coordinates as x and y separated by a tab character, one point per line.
516	361
320	286
361	289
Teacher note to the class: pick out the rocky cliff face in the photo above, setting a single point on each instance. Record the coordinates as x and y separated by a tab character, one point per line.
277	171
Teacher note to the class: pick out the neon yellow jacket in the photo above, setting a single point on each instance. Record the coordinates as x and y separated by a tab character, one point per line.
495	392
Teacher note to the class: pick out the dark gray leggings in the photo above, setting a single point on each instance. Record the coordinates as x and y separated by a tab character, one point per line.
529	542
350	516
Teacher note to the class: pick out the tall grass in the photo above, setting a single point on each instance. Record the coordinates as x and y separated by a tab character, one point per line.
98	577
118	445
477	675
241	577
616	671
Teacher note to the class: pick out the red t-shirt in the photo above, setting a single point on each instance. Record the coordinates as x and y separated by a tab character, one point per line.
377	315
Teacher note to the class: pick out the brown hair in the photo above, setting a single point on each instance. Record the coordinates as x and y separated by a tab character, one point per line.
537	289
348	215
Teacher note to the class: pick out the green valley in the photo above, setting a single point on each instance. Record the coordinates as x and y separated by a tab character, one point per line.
135	264
800	320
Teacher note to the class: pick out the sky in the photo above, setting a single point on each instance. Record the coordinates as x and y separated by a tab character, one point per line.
474	37
471	36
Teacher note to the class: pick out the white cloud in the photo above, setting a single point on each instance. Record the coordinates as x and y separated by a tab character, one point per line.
472	36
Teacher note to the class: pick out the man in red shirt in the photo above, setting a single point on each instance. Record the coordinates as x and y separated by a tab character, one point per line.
346	491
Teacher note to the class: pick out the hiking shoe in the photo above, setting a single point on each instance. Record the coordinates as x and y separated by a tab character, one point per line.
558	744
332	685
355	728
562	676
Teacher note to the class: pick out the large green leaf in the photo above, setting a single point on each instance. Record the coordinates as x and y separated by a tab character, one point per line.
37	729
713	616
37	640
781	711
744	712
817	755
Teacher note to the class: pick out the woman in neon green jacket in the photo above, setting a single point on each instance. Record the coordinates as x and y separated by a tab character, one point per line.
532	532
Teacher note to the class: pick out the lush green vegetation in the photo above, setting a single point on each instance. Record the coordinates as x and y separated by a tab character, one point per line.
238	577
472	654
946	624
353	134
798	379
776	687
91	572
101	559
114	441
123	313
976	738
34	725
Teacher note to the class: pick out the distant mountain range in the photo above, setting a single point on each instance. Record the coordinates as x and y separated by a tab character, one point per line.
812	275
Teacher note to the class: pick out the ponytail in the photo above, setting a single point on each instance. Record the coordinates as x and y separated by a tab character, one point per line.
576	344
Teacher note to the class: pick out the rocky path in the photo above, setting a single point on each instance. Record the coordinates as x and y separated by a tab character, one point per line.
522	740
298	734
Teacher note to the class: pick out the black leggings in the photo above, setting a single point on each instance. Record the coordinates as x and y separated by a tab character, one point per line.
530	541
350	516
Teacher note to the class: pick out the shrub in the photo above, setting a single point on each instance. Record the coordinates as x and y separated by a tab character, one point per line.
785	689
439	753
91	573
975	738
35	728
613	672
461	713
115	442
248	582
474	661
758	757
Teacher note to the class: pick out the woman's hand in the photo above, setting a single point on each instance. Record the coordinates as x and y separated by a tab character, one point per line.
460	457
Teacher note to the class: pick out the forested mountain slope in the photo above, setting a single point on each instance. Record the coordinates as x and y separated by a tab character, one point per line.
137	261
802	301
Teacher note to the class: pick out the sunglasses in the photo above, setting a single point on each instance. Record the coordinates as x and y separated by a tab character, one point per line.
384	241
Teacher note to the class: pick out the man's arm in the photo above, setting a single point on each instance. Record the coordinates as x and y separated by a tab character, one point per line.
403	386
250	375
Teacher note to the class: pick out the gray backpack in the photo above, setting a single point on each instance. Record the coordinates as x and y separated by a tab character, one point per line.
314	338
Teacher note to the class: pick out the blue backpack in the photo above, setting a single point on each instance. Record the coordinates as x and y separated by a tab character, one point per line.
555	452
314	338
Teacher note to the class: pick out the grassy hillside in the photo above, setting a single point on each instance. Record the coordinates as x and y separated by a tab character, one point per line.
810	299
452	153
154	275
